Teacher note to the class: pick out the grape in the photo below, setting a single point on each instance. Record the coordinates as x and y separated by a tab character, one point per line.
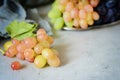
83	24
76	23
16	65
30	60
40	61
111	3
38	48
42	37
29	54
85	2
88	8
82	14
63	2
101	9
12	51
59	23
74	13
80	5
89	16
7	45
52	20
95	16
69	24
67	17
41	31
90	22
50	39
69	6
54	13
61	8
21	47
20	56
44	44
54	61
47	53
94	3
15	41
30	42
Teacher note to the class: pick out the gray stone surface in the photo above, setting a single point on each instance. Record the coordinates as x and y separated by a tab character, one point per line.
85	55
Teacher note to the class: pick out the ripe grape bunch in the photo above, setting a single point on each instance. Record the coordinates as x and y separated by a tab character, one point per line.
36	49
73	13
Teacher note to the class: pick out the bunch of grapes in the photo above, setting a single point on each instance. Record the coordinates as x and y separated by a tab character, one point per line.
73	13
109	11
35	49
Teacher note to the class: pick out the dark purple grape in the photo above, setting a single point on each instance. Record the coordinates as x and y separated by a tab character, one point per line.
110	3
101	9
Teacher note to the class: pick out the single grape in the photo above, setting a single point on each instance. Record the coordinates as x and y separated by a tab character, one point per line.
83	24
59	23
20	56
55	51
40	61
44	44
69	24
67	17
54	13
38	48
16	65
54	61
74	13
12	50
69	6
80	5
82	14
88	8
15	41
7	45
42	37
61	8
30	42
48	53
29	54
94	3
63	2
90	22
76	23
21	47
96	16
41	31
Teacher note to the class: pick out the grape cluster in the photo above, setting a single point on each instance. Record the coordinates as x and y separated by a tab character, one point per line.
73	13
36	49
109	11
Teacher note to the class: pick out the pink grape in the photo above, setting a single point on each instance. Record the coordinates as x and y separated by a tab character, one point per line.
15	41
88	8
69	6
83	24
76	23
96	16
21	47
67	17
20	56
94	3
82	14
41	31
30	42
74	12
29	54
38	48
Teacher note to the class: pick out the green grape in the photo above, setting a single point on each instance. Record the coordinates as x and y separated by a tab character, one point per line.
52	20
69	24
7	45
40	61
59	23
54	13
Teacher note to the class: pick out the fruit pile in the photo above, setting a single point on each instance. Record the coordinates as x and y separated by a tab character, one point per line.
73	13
109	11
36	49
